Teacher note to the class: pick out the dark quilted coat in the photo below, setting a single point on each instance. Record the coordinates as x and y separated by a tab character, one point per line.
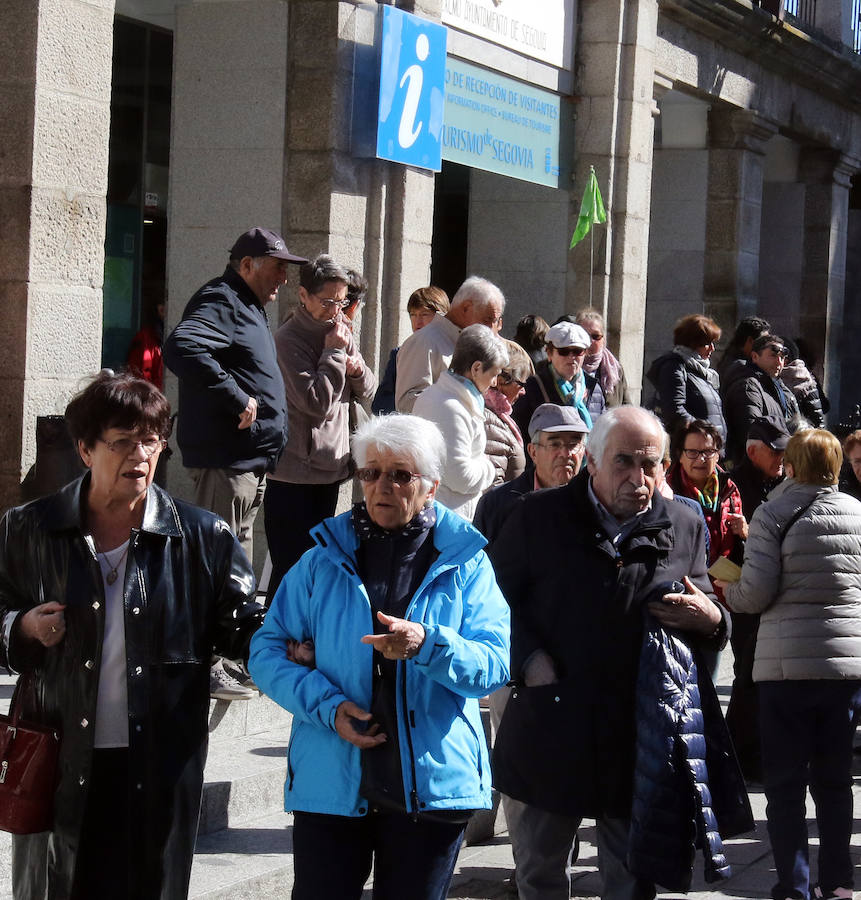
688	789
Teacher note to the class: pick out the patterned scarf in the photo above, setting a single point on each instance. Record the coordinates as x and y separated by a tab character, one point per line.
368	530
497	402
607	367
573	393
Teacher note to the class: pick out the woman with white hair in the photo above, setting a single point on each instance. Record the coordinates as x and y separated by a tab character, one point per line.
380	641
456	404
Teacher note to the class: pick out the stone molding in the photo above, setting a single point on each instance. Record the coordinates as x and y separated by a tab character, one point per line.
824	66
740	129
827	165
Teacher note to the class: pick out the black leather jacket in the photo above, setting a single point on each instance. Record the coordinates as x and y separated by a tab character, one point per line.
189	589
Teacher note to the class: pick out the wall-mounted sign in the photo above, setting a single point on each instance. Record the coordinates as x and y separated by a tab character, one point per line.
412	84
500	125
543	29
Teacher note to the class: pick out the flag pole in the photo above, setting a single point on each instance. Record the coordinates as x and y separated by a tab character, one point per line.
591	264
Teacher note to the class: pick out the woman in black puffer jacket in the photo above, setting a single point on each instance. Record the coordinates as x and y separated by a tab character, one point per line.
686	387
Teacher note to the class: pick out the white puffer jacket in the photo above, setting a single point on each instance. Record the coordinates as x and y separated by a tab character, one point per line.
808	588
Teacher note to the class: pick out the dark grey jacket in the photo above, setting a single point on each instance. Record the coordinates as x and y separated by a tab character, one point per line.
752	394
683	394
188	589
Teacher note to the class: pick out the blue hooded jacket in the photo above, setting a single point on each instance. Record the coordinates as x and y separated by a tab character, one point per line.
465	655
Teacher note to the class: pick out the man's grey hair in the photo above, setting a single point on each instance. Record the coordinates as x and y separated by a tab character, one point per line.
600	433
480	291
411	437
477	343
256	263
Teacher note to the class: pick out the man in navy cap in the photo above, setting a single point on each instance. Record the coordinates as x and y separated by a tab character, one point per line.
232	405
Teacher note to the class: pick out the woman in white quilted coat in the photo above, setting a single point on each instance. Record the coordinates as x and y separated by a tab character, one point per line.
802	571
455	402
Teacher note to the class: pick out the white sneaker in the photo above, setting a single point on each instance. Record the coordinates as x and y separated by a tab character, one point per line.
223	687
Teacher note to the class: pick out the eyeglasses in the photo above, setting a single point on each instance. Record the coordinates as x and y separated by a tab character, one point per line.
570	351
555	445
127	446
504	378
696	454
327	302
596	337
780	351
400	477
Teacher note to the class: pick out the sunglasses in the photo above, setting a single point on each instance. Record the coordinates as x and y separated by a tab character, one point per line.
400	477
504	378
780	351
570	351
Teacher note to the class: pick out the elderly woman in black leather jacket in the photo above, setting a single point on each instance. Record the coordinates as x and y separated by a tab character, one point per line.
113	596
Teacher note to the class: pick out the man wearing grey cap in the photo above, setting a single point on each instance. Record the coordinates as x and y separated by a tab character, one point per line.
560	378
232	405
558	444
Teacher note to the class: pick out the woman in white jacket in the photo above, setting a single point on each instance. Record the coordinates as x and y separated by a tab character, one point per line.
455	403
802	571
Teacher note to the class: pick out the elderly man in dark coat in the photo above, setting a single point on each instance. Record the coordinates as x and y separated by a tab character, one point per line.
577	566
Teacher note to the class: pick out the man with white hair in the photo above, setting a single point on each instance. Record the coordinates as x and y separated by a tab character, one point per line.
426	353
580	566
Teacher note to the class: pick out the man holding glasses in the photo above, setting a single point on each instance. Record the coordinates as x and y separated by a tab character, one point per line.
323	371
561	379
759	392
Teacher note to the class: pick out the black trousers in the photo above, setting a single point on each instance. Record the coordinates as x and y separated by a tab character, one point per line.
102	865
290	511
332	856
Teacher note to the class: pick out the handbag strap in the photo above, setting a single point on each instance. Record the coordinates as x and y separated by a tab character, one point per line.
793	519
26	684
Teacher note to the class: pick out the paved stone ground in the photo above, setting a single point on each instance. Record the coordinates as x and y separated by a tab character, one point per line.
483	872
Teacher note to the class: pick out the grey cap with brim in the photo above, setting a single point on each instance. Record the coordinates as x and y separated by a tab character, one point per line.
552	417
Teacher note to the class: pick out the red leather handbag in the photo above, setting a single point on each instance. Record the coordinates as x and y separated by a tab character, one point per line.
29	754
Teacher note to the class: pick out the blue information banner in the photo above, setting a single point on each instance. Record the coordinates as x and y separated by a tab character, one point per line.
412	85
500	125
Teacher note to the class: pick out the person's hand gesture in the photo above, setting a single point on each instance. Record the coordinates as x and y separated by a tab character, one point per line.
403	641
351	724
45	623
691	611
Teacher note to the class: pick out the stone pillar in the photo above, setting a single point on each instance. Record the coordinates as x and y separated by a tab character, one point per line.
826	175
835	19
614	132
733	214
227	136
372	215
55	89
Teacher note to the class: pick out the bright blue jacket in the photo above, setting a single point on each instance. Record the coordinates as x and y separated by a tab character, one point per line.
465	655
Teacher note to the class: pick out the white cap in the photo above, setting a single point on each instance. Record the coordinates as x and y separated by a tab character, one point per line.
567	334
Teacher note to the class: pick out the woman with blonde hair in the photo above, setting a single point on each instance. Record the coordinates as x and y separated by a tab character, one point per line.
802	572
600	362
504	440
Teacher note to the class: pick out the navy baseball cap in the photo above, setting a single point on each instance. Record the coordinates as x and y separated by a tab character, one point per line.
770	430
263	242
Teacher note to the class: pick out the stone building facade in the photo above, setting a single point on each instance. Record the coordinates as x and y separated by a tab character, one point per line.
725	140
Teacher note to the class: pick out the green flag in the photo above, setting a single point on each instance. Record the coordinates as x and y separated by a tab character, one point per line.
591	210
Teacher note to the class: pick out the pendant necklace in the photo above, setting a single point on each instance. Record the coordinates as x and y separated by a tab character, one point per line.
112	575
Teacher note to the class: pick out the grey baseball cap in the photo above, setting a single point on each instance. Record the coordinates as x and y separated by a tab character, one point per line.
552	417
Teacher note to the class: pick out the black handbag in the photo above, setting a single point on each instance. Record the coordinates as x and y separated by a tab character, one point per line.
29	756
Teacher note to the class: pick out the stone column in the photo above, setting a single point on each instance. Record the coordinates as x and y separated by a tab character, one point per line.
614	132
55	89
372	215
826	175
733	214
